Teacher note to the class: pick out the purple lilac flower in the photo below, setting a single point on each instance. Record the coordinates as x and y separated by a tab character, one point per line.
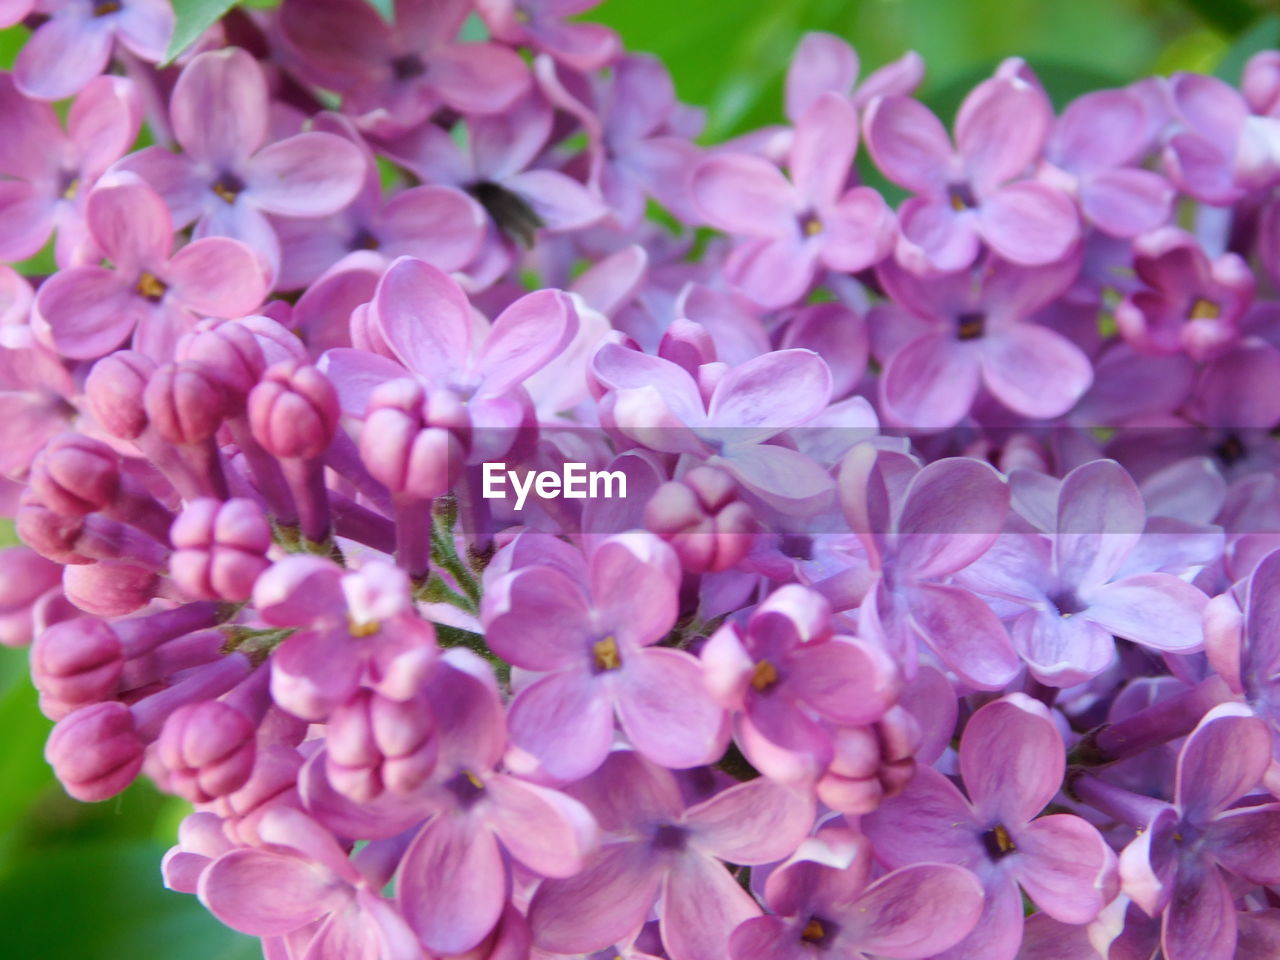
972	194
1011	763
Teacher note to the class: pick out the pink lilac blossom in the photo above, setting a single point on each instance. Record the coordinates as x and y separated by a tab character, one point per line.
937	618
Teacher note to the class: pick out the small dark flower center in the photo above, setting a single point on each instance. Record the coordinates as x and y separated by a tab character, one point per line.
961	197
997	842
810	225
669	837
971	326
1067	604
151	287
408	67
819	931
509	211
604	655
466	788
103	7
364	240
1204	309
1231	450
764	676
227	187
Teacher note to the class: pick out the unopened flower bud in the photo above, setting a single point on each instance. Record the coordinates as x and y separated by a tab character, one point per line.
220	548
115	389
294	411
96	752
111	588
185	403
207	750
702	518
75	474
77	662
230	354
414	442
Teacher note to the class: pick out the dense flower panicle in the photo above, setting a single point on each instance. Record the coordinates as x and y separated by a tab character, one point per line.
920	598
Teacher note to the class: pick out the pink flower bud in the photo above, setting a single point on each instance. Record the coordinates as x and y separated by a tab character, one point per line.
115	389
207	750
111	588
25	577
220	548
49	533
77	662
701	517
185	403
230	354
75	474
871	763
687	344
294	411
1261	82
375	743
412	442
96	752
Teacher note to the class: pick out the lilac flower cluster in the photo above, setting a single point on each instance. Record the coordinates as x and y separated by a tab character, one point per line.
940	618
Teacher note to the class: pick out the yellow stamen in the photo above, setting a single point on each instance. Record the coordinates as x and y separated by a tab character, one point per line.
957	204
1003	840
103	7
1204	309
812	227
72	189
363	629
151	286
475	781
813	932
764	676
606	654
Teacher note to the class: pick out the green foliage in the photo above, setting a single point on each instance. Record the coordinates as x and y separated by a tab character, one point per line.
194	17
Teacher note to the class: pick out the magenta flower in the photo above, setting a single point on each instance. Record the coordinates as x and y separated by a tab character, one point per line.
1219	151
498	165
948	516
1183	865
1242	639
441	225
229	177
658	404
824	900
55	171
301	882
424	321
75	44
789	680
354	629
969	330
1069	593
153	292
1094	152
1011	762
798	225
455	877
631	125
973	194
653	847
542	25
1190	302
400	75
592	637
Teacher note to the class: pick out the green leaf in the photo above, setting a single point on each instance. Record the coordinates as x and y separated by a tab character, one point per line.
194	17
23	771
1263	35
105	901
387	8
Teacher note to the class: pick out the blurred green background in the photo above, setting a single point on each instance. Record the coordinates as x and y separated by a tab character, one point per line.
82	881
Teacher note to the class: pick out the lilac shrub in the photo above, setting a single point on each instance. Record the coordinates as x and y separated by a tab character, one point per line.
887	577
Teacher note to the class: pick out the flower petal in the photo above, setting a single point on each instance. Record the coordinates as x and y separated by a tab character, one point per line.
744	195
665	709
1012	759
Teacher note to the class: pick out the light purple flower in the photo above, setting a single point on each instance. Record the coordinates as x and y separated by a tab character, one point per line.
652	846
825	63
920	526
543	25
75	44
1094	152
659	404
398	76
970	329
591	637
1182	865
798	225
54	171
1011	763
228	176
154	293
1065	580
972	194
824	899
